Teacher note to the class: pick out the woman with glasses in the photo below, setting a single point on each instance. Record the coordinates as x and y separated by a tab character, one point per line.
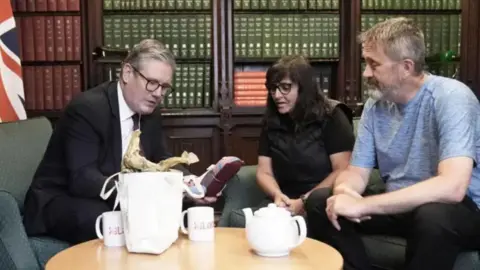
306	139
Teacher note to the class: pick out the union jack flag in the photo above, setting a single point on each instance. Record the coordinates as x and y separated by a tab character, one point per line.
11	83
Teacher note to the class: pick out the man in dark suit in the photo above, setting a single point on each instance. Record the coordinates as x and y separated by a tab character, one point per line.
89	141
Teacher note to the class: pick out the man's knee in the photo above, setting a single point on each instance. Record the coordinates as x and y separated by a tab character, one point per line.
318	199
432	219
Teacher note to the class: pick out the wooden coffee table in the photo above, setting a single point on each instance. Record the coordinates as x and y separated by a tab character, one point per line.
229	251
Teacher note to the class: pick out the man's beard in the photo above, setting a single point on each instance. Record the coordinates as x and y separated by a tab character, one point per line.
378	91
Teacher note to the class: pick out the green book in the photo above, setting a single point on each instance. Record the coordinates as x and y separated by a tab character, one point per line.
144	27
267	39
166	34
192	85
273	4
188	4
251	35
175	34
207	101
243	35
179	4
135	29
184	37
237	4
197	4
170	4
312	36
207	4
201	36
108	40
208	36
192	36
303	4
246	4
117	4
185	86
107	4
263	4
284	4
276	36
117	31
127	42
305	36
159	23
297	34
258	36
199	77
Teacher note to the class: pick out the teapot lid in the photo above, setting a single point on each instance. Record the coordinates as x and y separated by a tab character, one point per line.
272	211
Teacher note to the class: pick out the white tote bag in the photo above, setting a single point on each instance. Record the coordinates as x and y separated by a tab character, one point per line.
151	206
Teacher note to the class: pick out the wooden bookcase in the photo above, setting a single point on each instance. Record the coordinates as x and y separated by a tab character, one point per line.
217	126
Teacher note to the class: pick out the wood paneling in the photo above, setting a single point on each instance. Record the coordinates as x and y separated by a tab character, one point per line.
201	141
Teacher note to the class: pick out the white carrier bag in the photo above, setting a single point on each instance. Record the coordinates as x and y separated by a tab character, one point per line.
151	206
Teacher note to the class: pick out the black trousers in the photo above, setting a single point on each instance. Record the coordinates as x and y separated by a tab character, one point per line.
435	232
72	219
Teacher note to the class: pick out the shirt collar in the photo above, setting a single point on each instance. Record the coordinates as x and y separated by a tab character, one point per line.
125	111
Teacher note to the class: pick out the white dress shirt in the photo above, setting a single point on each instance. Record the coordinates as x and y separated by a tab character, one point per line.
126	121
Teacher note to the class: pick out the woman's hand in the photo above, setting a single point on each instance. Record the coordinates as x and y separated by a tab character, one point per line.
296	207
281	200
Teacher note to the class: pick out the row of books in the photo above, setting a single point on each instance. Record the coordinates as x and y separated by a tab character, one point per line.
45	5
50	87
286	4
441	32
249	88
191	84
157	4
50	38
186	36
412	4
450	70
269	35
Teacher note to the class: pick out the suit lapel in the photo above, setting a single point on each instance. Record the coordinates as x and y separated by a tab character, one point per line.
116	129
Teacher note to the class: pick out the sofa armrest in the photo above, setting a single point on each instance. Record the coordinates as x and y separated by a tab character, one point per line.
241	191
15	249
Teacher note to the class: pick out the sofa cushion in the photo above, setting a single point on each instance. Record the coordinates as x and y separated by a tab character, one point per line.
388	252
46	247
23	145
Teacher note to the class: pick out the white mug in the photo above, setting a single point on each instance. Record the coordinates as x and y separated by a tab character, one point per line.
200	223
112	227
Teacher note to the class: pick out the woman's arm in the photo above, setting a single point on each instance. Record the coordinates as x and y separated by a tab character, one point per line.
265	178
339	162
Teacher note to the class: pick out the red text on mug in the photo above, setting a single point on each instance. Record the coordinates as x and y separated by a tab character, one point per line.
116	230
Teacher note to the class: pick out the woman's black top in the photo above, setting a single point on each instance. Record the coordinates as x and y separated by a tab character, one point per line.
300	160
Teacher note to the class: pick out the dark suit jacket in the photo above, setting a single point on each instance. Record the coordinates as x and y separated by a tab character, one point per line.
86	148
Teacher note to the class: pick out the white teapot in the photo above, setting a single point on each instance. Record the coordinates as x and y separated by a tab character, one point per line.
272	231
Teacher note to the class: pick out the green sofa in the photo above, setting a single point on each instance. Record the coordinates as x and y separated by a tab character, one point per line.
22	145
385	252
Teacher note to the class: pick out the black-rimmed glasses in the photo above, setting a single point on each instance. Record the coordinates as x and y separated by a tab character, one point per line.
284	88
153	85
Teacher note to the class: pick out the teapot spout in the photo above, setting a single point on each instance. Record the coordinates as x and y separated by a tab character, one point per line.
248	215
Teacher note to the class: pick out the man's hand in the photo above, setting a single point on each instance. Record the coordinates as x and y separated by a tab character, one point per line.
347	206
282	200
346	190
296	207
205	200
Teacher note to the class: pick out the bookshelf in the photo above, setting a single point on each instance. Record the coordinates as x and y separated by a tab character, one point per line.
216	40
52	51
262	31
440	21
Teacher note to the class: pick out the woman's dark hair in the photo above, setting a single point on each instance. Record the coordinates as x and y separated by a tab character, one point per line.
311	103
